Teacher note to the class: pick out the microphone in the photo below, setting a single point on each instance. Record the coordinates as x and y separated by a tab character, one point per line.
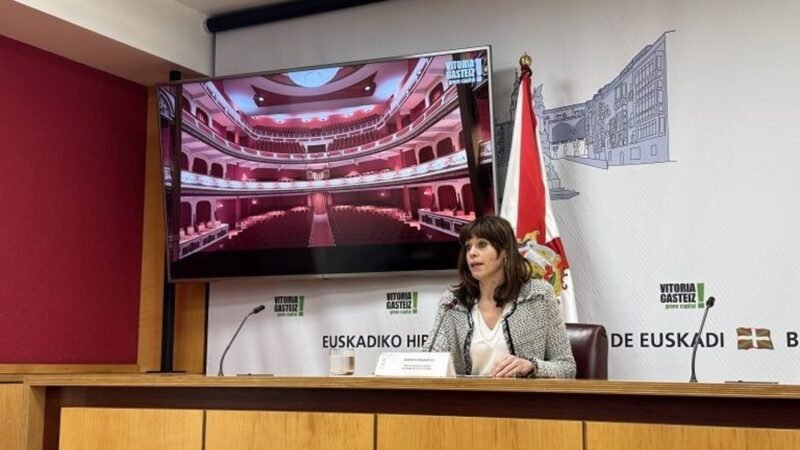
709	304
255	310
447	307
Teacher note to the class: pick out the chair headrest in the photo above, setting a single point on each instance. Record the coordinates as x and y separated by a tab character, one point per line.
589	344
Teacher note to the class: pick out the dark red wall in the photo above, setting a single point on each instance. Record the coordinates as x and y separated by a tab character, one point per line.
382	197
72	151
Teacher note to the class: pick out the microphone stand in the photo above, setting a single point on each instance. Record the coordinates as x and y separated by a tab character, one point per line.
709	304
255	310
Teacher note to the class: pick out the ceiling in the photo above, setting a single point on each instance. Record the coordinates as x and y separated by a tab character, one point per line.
272	99
85	35
214	7
50	33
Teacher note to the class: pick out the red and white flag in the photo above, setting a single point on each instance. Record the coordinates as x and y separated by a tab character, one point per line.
526	205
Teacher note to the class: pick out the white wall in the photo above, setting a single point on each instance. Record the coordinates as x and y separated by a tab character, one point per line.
562	36
164	28
724	212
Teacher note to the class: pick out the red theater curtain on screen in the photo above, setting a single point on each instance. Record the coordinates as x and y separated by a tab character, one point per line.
319	202
447	197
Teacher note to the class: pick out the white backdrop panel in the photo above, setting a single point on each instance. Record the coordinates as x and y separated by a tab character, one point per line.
723	212
335	313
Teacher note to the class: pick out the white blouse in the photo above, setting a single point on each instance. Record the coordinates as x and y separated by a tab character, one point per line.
488	345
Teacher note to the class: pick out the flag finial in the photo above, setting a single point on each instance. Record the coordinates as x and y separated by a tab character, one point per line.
525	62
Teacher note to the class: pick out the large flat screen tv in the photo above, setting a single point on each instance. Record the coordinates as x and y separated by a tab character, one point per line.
354	168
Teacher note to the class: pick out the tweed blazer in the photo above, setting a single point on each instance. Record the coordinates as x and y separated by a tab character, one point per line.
532	327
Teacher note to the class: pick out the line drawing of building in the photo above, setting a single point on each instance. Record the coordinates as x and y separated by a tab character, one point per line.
624	123
503	133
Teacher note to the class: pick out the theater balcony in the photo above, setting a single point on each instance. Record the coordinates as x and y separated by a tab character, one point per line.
193	239
443	107
412	81
447	222
453	165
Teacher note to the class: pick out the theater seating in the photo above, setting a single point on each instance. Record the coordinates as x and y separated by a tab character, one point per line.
357	140
367	225
279	229
276	147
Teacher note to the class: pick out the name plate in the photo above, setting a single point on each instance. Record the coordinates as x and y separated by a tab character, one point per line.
415	364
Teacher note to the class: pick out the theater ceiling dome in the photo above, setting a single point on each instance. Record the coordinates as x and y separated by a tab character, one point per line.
313	78
319	92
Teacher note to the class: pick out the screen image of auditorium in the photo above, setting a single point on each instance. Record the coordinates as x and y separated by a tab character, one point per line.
351	168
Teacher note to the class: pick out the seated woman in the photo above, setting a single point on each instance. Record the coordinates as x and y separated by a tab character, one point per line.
498	321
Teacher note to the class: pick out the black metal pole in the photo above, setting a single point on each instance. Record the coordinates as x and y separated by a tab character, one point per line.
168	327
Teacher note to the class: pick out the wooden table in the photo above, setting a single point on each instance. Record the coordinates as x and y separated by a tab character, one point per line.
393	413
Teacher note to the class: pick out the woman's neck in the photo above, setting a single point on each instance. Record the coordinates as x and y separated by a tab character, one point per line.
487	289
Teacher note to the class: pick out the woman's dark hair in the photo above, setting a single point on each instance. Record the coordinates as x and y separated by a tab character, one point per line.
516	270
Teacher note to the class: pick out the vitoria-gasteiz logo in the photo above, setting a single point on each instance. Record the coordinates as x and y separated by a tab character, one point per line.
289	305
464	71
401	302
683	295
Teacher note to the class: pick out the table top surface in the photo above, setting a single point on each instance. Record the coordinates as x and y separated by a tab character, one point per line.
582	387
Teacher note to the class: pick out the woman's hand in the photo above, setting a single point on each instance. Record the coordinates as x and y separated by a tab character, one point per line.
512	366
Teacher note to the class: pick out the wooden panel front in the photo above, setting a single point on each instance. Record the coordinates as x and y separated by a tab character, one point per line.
288	430
152	279
25	369
122	429
624	436
11	416
397	432
190	327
